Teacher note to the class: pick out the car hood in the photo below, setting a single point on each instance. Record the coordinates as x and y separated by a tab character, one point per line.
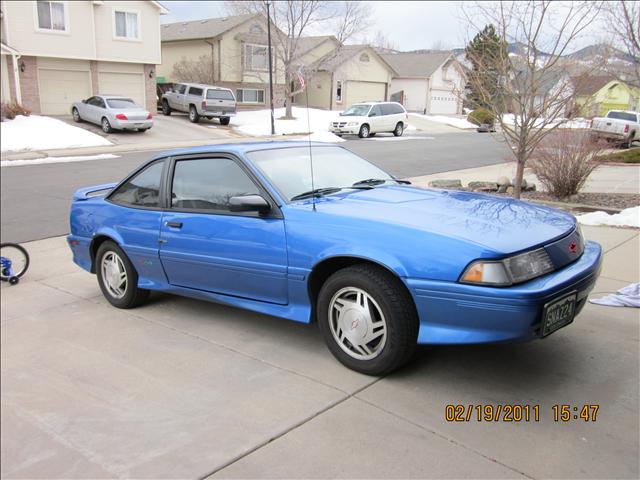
498	224
349	118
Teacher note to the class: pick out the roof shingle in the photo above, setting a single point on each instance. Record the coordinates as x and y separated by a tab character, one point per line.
206	28
420	65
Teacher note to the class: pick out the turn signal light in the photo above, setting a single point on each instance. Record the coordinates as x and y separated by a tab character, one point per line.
121	116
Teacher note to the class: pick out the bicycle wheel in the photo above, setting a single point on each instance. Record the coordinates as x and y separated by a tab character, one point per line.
14	260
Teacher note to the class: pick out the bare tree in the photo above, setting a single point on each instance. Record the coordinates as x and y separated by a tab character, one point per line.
534	87
382	41
194	71
622	20
295	19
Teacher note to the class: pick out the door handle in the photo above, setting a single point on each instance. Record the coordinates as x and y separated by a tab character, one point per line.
173	224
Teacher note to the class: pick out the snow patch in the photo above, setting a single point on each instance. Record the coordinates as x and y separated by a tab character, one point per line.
452	121
45	160
580	123
44	133
629	217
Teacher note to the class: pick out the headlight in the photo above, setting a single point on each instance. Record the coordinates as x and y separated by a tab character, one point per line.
352	124
516	269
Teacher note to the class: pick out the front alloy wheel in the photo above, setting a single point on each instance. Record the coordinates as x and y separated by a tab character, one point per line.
368	319
364	131
76	115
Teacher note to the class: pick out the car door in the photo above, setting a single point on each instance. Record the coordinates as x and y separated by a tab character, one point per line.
176	100
88	109
207	247
376	121
137	218
100	109
388	116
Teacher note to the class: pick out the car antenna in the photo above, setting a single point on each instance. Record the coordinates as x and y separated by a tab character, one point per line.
306	94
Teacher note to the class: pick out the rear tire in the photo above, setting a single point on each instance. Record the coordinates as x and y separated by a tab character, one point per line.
117	278
399	130
106	126
166	109
364	131
368	319
225	120
194	117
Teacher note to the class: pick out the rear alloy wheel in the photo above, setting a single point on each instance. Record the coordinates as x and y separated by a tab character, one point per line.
368	319
193	115
364	131
106	126
166	109
117	278
224	120
76	115
398	130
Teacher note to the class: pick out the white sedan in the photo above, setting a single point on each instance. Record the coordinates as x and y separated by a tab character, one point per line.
112	112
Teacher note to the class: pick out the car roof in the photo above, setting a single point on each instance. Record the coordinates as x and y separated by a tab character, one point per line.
201	85
241	148
110	97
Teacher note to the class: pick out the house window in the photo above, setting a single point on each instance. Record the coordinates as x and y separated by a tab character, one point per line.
250	95
51	16
339	91
127	25
255	57
364	57
256	30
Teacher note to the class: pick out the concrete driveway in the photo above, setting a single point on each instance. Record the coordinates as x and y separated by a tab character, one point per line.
176	127
180	388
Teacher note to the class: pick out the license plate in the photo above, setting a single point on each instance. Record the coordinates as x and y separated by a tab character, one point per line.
139	125
558	314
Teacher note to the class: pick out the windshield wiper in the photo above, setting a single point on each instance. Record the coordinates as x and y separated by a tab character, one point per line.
318	192
379	181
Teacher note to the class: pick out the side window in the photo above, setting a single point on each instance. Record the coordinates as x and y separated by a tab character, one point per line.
195	91
181	88
93	101
208	184
387	109
375	111
100	103
143	190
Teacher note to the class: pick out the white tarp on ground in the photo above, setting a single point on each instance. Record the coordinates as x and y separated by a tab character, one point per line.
44	133
629	217
625	297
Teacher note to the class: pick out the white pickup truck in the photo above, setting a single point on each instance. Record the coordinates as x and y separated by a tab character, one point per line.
620	126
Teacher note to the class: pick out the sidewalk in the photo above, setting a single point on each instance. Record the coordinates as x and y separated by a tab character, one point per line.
605	178
180	388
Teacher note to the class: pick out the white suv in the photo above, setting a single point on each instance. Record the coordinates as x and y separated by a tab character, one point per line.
368	118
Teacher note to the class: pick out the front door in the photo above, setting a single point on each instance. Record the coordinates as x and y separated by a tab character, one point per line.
205	246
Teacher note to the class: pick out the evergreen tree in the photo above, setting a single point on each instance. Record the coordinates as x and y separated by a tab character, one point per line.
485	52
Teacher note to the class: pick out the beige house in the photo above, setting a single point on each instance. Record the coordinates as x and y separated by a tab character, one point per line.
427	82
340	77
236	48
55	53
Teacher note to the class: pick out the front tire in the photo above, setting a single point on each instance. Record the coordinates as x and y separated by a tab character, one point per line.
364	131
117	278
224	120
368	319
399	130
106	126
76	115
194	117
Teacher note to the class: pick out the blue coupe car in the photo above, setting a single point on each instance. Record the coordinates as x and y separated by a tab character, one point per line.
381	265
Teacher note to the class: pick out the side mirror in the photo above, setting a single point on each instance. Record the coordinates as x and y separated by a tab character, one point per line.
84	101
249	203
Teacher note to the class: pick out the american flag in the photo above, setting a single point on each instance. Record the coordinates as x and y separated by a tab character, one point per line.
300	78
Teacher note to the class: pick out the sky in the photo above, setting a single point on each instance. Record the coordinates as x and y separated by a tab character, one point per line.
409	25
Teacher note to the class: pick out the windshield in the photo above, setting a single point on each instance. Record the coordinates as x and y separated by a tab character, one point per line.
356	111
622	116
289	169
121	103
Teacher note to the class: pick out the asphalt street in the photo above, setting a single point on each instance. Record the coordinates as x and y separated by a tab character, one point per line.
35	199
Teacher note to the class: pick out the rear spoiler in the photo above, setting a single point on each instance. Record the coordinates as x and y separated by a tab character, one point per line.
96	190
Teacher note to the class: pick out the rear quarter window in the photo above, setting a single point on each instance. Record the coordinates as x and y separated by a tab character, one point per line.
141	190
195	91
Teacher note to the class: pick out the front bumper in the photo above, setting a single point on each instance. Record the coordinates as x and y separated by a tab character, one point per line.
455	313
131	124
345	130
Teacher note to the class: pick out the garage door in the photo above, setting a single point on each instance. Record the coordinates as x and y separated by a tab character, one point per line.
365	92
60	88
126	84
443	103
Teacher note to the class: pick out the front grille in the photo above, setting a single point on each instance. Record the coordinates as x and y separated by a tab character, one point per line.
339	124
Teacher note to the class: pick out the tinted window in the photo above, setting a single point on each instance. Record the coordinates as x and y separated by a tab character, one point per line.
219	95
396	108
387	109
142	190
93	101
121	103
376	111
195	91
100	103
181	88
208	184
622	116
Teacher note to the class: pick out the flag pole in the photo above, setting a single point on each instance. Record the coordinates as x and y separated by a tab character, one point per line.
273	124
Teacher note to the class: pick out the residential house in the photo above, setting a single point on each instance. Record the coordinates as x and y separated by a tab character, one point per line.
554	91
344	75
237	48
55	53
427	82
596	95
